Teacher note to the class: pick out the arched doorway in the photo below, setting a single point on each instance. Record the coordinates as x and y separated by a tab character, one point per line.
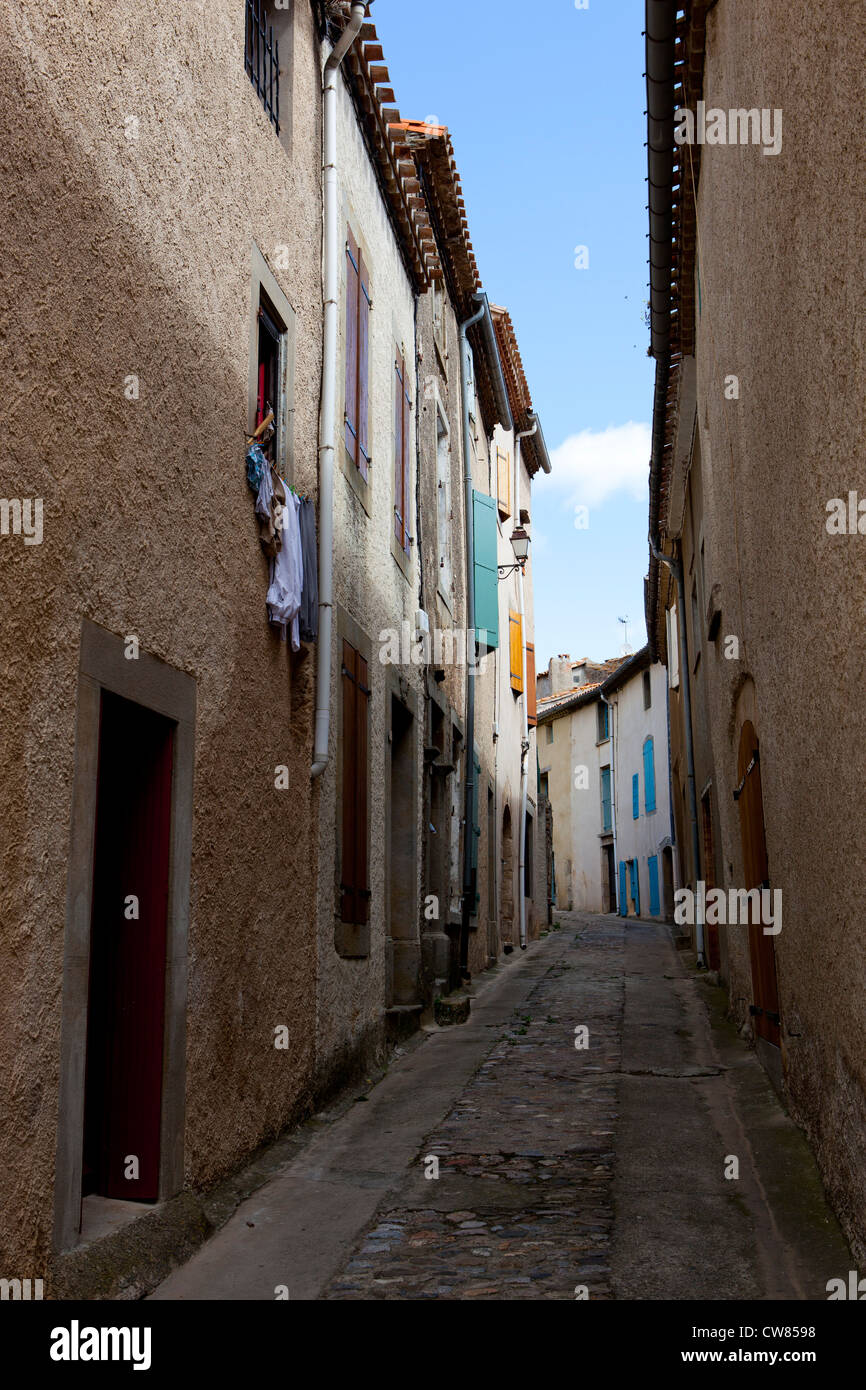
507	899
765	1004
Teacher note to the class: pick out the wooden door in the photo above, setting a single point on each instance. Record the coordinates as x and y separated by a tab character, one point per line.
711	930
765	1005
126	1004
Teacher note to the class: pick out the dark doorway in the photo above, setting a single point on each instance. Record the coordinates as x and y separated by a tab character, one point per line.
761	948
126	1002
712	931
668	883
507	890
609	904
405	947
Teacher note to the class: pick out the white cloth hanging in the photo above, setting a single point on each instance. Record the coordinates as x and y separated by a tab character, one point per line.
283	598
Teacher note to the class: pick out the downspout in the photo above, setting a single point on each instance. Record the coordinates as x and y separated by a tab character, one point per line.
612	719
524	732
481	316
676	570
327	421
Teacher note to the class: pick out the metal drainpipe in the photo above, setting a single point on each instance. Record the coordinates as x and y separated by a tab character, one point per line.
481	315
524	732
676	570
612	718
327	422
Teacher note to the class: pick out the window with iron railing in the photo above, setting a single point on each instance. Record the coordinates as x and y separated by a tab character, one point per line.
262	58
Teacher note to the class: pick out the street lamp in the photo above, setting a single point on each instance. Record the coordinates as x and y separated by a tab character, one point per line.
520	546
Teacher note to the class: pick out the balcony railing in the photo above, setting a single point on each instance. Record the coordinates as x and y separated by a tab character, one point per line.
262	59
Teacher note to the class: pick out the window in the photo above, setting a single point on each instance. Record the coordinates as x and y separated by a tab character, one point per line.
486	576
503	482
544	786
269	397
531	694
357	354
673	648
354	888
262	57
402	414
603	721
444	509
549	728
439	329
647	691
635	796
606	819
649	776
515	629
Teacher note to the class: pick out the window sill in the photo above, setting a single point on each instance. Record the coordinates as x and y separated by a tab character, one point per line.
404	560
353	477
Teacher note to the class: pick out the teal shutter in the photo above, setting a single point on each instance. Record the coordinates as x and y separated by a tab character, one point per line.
605	799
653	866
623	903
486	577
635	886
635	794
649	776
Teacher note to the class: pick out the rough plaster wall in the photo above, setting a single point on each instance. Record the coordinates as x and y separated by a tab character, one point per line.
784	302
127	257
370	586
584	850
556	761
487	749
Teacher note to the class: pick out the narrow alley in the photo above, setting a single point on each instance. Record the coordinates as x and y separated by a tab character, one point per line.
563	1172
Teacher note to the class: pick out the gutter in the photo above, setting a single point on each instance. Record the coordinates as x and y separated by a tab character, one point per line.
524	700
327	421
482	317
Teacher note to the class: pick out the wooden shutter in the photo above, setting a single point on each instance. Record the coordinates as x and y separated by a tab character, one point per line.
503	482
486	574
402	413
531	693
653	866
354	891
363	365
515	629
623	901
635	796
352	294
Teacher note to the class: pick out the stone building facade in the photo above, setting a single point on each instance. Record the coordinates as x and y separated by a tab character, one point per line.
754	582
169	847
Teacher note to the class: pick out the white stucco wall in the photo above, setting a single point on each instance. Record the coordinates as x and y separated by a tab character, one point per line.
648	835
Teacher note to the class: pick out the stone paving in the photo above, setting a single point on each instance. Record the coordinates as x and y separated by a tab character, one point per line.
522	1207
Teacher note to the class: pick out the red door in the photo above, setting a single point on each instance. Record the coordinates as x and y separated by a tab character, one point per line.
126	1004
765	1006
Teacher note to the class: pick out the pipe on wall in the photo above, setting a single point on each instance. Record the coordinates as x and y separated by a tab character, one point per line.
524	732
327	421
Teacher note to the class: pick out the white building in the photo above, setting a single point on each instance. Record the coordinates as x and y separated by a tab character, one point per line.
603	763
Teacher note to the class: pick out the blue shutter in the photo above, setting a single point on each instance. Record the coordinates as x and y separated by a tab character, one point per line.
635	795
649	776
623	901
486	577
635	886
653	866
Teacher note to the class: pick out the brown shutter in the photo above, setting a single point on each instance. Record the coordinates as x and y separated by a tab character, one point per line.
352	295
362	890
407	412
363	364
399	411
348	873
354	889
531	696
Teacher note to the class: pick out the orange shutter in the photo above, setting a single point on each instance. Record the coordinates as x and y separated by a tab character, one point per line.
515	628
503	482
531	699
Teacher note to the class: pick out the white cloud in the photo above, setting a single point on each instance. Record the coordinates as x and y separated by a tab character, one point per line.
593	465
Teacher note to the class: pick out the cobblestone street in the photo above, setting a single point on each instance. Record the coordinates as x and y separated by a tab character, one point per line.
561	1169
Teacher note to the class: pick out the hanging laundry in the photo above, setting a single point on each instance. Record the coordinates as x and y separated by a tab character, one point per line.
270	501
309	615
283	598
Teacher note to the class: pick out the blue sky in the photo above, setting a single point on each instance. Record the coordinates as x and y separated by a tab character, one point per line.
545	106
